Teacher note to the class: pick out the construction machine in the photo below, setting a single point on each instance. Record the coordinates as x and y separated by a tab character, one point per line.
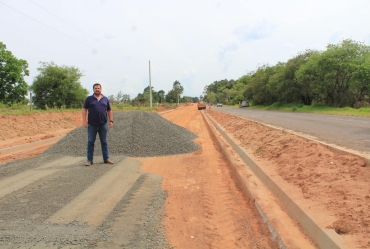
201	104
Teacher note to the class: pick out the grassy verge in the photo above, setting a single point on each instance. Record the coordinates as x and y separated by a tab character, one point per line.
316	108
18	109
125	107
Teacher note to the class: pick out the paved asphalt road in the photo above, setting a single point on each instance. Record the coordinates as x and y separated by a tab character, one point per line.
349	132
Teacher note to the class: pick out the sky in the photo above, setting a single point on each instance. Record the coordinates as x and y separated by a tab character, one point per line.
196	42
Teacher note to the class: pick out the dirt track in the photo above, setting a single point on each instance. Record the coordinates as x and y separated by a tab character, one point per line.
203	208
56	202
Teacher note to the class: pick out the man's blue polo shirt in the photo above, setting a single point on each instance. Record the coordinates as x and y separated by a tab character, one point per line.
97	110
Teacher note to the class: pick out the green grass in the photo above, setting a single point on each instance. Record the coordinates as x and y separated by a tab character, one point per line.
18	109
316	108
125	107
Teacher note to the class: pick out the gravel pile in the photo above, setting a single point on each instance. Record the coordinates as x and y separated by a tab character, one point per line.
135	134
135	222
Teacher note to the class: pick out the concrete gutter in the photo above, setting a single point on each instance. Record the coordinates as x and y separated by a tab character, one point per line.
324	238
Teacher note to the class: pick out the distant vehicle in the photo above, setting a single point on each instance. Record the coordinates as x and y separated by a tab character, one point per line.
201	105
244	104
219	104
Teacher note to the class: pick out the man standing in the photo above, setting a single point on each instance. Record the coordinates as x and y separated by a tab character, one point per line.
95	113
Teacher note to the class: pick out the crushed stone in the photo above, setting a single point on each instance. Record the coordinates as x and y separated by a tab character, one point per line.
134	134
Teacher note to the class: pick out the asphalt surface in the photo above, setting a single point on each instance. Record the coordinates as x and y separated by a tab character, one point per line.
344	131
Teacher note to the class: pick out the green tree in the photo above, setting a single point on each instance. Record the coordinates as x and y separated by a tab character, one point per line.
186	99
334	76
222	97
144	98
177	89
155	97
292	90
171	96
309	77
126	98
275	84
245	79
338	76
119	96
161	94
224	90
13	87
360	87
338	63
258	90
219	86
235	94
58	86
112	99
211	98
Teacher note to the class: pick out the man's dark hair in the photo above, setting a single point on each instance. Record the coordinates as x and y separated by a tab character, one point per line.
96	84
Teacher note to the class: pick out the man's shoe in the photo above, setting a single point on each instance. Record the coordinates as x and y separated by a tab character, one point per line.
108	161
88	163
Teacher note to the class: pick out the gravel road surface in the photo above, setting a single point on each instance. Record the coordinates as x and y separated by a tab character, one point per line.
51	201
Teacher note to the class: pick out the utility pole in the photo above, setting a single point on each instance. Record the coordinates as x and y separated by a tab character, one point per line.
30	101
150	87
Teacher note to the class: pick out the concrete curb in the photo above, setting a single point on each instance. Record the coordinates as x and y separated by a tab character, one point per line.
247	193
332	147
324	238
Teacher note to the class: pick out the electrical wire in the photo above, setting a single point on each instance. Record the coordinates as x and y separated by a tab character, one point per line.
72	26
47	26
64	21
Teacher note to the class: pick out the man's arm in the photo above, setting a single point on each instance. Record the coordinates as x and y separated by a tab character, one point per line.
110	115
84	117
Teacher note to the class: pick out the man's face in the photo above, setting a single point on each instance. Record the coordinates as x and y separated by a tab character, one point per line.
97	90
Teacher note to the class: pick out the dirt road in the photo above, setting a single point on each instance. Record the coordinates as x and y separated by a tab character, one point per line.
179	201
204	207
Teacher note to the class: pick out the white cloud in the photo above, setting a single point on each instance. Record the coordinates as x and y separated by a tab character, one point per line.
231	47
195	42
256	31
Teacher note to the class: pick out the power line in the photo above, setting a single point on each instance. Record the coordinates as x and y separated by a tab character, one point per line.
71	25
64	21
47	25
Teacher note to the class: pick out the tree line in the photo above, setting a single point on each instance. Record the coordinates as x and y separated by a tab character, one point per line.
60	87
338	76
172	96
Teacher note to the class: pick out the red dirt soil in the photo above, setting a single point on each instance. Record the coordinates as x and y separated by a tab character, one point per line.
334	184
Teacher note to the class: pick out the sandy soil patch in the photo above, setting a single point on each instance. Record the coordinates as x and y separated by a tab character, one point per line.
334	184
204	207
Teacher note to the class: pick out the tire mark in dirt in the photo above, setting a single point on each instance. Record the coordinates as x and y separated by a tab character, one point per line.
98	200
137	218
21	180
226	205
214	213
